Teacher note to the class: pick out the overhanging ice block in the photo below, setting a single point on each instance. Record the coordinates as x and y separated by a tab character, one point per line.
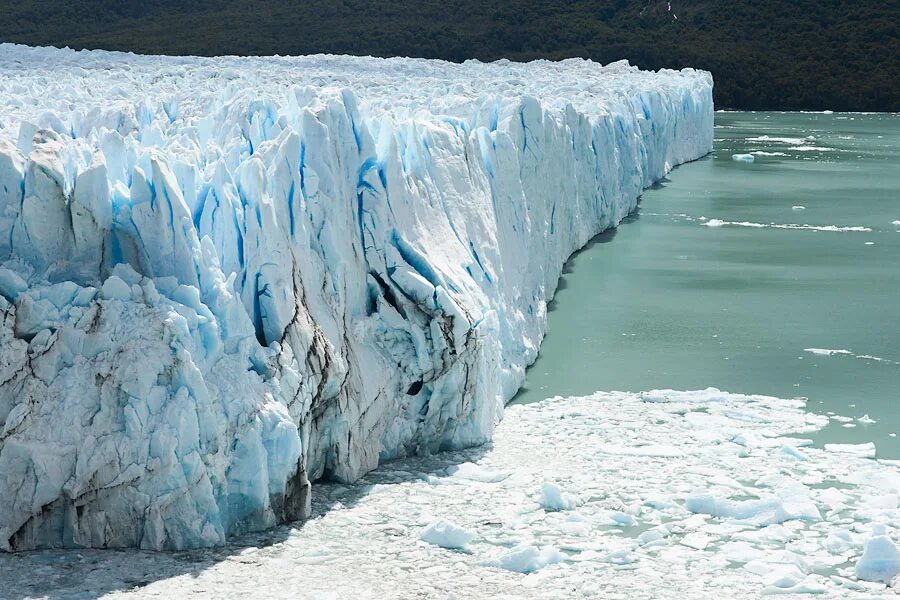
223	278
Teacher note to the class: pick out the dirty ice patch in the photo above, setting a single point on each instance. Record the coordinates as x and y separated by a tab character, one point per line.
734	513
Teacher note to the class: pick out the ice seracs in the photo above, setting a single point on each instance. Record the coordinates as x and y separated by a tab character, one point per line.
225	278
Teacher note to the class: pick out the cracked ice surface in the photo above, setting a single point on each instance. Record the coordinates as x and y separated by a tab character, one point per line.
789	518
223	278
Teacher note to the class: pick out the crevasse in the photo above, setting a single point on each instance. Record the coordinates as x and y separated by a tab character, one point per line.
221	279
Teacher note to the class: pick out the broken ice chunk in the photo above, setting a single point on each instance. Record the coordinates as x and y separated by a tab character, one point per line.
448	535
554	498
527	559
866	450
881	558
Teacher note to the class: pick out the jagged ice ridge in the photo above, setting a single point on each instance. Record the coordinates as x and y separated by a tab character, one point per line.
221	279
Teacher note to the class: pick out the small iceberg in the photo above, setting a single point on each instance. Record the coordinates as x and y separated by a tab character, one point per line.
527	559
553	498
880	560
742	157
446	534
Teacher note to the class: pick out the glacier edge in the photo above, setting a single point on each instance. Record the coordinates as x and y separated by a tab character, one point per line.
222	279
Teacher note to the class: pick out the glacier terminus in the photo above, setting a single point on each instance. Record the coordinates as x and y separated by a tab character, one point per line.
222	279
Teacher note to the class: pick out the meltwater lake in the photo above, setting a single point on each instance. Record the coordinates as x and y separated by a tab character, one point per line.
779	276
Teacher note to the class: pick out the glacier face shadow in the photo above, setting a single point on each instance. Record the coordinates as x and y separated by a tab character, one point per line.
92	573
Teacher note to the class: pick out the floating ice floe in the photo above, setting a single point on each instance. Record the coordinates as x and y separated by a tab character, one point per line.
827	351
527	559
742	157
447	535
791	504
866	450
554	498
832	228
842	352
881	558
781	140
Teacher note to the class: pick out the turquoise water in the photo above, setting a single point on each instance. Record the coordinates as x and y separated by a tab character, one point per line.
667	301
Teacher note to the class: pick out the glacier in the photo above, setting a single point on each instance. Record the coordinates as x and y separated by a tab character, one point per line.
224	278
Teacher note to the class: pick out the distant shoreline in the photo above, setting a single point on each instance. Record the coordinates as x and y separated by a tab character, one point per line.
765	55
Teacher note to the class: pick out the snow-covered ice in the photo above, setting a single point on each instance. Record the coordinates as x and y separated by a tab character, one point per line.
729	516
223	278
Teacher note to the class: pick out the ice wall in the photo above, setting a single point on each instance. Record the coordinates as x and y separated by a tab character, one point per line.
223	278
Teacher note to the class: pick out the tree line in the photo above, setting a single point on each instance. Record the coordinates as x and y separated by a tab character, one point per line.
764	55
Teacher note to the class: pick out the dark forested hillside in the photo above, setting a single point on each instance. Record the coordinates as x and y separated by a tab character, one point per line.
764	54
